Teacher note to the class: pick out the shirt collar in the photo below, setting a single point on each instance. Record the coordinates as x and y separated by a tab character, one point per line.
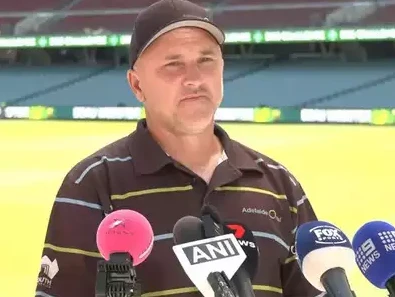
238	155
149	157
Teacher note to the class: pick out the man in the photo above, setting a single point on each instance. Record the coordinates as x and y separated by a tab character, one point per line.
176	161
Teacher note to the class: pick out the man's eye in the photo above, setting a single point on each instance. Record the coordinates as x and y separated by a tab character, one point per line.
173	64
206	59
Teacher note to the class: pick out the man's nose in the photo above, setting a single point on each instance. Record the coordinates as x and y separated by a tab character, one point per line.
193	76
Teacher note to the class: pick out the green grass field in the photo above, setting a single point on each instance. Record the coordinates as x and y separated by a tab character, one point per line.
347	171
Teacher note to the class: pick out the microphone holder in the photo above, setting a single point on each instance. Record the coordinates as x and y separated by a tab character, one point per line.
117	277
390	285
211	227
221	285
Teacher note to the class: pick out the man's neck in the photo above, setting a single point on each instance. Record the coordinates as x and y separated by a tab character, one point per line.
196	152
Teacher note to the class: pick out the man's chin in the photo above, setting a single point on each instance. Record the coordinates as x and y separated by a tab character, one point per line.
191	126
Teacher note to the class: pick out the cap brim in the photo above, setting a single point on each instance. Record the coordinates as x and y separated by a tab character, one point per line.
217	33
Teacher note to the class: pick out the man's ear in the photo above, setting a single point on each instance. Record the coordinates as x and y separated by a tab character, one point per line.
134	83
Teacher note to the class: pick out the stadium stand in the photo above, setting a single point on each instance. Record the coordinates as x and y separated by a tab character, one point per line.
383	16
230	14
238	15
268	76
36	79
357	85
21	5
7	6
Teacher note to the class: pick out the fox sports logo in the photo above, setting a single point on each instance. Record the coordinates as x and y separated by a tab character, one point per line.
328	235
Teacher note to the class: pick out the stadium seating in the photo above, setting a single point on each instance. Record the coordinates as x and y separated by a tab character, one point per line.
293	84
22	5
383	16
25	6
255	19
33	79
122	23
247	84
230	20
114	23
242	19
105	4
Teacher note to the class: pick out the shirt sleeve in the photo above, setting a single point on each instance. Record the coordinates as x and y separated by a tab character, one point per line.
70	255
294	282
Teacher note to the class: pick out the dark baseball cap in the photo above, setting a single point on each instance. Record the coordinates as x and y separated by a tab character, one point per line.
164	16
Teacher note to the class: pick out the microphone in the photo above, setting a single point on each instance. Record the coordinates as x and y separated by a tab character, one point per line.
247	242
374	246
211	221
200	258
246	273
125	239
325	256
214	225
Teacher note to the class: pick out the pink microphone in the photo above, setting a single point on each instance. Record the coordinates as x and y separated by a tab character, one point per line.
125	231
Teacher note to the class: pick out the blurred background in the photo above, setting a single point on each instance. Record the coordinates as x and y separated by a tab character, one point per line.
309	83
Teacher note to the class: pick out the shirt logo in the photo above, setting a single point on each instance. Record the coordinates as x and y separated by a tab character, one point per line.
48	271
272	214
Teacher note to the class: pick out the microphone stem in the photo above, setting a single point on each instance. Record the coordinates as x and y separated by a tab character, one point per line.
390	285
336	283
220	285
242	283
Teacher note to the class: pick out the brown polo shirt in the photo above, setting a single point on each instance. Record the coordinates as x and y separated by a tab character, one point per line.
135	173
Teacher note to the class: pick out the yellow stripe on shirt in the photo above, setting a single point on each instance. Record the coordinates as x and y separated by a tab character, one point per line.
251	189
290	259
72	250
193	289
151	191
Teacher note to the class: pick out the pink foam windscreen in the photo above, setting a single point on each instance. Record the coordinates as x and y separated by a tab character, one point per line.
125	231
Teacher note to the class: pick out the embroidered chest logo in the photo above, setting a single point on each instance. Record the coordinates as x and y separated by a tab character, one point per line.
48	271
272	214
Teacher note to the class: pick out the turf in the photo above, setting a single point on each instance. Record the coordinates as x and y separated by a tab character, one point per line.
347	172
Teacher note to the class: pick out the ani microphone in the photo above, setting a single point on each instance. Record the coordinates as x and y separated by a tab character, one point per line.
215	226
125	239
208	262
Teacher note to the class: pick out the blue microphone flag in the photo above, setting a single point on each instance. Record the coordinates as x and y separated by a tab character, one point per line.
315	235
374	247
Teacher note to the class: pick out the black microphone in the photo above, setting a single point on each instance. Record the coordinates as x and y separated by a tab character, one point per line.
212	223
247	241
196	254
390	285
242	278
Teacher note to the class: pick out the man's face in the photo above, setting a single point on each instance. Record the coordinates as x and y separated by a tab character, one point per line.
179	78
